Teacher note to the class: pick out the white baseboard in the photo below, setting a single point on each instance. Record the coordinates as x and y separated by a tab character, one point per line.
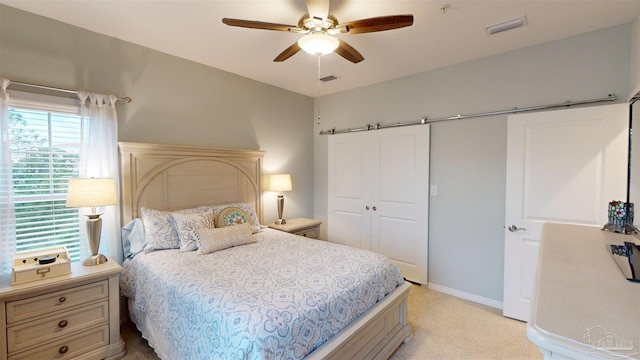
466	296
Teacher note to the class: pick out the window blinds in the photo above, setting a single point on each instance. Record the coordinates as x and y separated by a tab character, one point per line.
45	153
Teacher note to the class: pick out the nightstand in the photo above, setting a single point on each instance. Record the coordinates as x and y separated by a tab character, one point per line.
301	226
63	317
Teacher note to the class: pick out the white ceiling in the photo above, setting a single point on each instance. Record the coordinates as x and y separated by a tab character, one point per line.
192	29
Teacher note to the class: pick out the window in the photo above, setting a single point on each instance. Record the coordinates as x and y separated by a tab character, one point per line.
45	154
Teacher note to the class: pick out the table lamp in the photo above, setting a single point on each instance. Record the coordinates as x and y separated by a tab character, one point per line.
280	183
92	192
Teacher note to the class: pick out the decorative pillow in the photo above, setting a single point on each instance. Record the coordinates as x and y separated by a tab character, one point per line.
160	230
133	238
187	224
210	240
237	214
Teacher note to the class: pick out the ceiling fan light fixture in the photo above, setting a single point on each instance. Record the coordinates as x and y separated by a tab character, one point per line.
318	43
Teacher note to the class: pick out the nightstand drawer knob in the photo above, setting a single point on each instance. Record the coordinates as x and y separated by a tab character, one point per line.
62	299
62	323
63	349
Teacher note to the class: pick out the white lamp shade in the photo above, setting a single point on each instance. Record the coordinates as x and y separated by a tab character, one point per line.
318	43
280	182
91	192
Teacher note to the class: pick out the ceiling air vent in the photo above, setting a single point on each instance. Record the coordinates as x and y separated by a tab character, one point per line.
329	78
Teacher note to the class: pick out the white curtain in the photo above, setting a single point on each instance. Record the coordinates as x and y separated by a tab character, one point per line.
99	158
7	214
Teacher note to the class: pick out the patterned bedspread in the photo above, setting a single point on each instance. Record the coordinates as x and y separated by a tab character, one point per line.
278	298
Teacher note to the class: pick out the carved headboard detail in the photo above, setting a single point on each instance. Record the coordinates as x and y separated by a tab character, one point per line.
173	177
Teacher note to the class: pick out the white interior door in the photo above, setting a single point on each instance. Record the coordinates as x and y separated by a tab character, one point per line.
401	198
378	195
562	166
349	188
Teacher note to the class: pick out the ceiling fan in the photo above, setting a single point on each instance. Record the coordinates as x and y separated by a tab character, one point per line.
319	28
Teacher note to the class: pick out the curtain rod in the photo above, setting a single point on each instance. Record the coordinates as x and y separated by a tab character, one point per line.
125	99
426	120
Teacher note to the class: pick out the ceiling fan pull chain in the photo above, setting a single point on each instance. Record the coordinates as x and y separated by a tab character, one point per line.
318	88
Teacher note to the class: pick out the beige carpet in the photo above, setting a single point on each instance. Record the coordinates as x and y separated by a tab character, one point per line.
442	327
446	327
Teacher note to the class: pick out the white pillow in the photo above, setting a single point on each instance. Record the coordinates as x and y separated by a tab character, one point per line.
133	238
210	240
160	231
160	228
187	224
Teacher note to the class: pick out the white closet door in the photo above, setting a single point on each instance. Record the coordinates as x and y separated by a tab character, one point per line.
378	194
349	222
400	195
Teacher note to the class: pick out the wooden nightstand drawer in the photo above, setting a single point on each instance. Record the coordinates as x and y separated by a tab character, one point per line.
56	301
38	331
69	347
310	233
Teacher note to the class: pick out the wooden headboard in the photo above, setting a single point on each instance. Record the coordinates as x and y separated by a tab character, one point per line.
172	177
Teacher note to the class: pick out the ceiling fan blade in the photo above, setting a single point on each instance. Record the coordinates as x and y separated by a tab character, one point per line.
261	25
381	23
318	10
348	52
287	53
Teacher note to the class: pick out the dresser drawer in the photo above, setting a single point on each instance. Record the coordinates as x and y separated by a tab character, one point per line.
56	301
69	347
310	233
38	331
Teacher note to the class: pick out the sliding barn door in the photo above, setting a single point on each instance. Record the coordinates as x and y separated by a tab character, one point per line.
378	195
562	166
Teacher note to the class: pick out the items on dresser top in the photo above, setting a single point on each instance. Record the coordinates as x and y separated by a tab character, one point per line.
581	308
40	264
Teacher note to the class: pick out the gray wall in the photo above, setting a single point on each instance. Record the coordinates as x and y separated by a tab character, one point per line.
181	102
635	57
174	101
466	235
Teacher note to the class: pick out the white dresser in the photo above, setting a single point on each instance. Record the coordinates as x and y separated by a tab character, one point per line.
74	316
582	305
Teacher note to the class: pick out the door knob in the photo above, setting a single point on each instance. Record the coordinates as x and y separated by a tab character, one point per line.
514	228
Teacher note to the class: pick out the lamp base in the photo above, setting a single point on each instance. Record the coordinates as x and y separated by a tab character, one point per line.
622	229
281	221
95	260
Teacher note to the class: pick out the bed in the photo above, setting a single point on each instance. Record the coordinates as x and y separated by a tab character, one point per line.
316	301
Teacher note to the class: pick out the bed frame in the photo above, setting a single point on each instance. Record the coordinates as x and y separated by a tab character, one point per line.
171	177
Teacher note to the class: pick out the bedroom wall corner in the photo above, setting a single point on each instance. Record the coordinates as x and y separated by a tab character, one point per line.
320	170
635	57
175	101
